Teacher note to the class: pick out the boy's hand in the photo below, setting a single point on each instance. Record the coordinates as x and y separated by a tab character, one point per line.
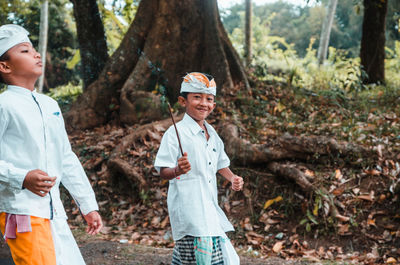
237	183
183	165
38	182
94	222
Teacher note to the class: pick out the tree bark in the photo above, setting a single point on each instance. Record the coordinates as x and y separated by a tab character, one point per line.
43	34
91	38
326	31
166	40
248	32
373	40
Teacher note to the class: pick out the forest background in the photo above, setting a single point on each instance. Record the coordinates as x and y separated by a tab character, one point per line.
317	144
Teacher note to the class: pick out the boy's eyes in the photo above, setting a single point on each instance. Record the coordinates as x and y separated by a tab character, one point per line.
210	99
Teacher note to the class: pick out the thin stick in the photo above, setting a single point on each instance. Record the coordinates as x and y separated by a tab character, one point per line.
176	130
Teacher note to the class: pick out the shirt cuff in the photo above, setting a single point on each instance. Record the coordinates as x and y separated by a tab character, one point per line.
17	177
223	165
167	165
88	207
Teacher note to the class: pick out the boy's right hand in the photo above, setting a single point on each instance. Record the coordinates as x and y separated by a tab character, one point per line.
38	182
183	165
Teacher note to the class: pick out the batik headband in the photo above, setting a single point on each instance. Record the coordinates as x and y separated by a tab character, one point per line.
199	83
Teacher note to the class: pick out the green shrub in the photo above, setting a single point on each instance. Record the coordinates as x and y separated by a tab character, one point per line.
65	95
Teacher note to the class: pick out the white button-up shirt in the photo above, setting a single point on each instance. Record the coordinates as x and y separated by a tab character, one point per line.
33	136
193	197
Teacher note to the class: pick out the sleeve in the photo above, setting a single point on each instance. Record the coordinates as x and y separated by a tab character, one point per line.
168	153
223	159
11	177
75	180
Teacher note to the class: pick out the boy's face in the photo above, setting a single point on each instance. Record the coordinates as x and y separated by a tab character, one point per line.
198	105
23	62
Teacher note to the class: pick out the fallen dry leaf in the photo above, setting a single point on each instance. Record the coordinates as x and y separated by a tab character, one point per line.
343	229
135	236
272	201
370	197
338	174
278	246
372	172
342	218
165	222
371	222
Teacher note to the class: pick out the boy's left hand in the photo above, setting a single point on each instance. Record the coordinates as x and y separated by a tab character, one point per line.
94	222
237	183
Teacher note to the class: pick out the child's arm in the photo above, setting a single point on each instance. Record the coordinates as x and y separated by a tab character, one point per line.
237	182
182	168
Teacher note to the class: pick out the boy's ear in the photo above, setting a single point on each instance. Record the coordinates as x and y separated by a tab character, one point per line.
4	68
182	101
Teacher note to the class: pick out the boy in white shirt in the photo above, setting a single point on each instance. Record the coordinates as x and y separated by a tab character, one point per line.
198	223
35	157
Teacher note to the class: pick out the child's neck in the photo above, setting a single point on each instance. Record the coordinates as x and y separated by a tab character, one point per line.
201	123
30	85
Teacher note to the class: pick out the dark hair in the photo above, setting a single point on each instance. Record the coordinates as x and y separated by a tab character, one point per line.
184	94
3	58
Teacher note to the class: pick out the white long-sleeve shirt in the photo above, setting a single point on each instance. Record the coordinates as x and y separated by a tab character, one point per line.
193	197
33	136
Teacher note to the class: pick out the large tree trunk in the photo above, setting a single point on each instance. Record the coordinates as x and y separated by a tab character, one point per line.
167	39
373	40
326	31
91	38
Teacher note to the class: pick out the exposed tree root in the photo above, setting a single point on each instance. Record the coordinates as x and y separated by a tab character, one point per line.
120	166
147	130
290	171
288	147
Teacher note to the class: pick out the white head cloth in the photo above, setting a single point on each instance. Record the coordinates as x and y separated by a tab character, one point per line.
11	35
194	85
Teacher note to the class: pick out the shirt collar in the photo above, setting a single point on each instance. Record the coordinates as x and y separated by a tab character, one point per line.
21	90
194	126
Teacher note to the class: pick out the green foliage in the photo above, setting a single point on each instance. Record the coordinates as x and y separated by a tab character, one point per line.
297	25
117	16
61	40
392	65
65	95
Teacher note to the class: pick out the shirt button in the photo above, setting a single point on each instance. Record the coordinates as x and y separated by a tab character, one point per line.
202	131
209	163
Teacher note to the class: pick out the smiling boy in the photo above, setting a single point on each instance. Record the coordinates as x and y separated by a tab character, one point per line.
35	157
198	223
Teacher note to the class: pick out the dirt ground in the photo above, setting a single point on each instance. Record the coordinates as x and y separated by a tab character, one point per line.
100	252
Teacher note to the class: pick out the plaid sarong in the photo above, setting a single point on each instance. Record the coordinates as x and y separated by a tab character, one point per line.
184	253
